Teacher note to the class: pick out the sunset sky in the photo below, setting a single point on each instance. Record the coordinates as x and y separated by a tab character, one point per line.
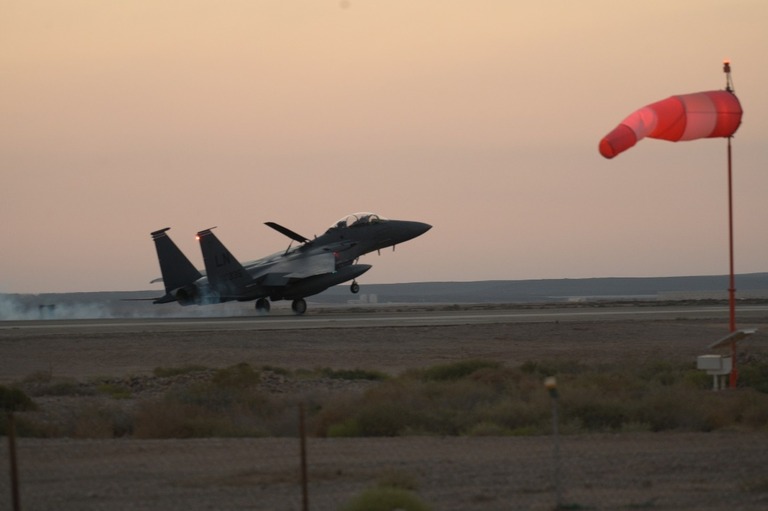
482	118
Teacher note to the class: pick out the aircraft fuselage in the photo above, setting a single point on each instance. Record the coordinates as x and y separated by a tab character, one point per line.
300	271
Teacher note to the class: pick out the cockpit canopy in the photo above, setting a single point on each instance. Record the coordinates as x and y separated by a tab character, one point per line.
358	219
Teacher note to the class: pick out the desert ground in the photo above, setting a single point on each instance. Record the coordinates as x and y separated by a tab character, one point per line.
633	470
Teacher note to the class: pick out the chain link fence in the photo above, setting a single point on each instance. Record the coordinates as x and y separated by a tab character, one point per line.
703	471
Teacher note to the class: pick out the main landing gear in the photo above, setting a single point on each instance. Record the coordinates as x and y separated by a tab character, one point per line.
299	306
262	306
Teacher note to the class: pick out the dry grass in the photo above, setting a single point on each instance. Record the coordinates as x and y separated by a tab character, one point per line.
467	398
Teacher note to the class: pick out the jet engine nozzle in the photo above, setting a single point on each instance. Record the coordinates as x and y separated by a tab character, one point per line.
188	295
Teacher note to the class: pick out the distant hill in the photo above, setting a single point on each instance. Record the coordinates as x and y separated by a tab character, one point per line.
138	303
559	290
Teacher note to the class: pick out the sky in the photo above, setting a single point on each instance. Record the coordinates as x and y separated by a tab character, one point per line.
481	118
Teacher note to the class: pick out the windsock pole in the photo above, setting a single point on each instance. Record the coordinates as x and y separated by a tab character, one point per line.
734	377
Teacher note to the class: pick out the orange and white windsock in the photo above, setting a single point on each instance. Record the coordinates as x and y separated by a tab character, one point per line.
686	117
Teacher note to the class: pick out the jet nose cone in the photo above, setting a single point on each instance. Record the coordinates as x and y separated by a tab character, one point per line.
420	228
409	230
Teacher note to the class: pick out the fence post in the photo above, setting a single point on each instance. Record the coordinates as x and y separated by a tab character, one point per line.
14	400
551	384
303	443
14	464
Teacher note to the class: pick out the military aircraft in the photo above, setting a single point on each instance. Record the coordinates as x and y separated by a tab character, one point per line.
305	269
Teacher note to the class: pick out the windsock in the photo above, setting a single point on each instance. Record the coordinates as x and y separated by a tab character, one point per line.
686	117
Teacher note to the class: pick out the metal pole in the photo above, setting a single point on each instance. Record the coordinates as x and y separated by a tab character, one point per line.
303	442
732	282
555	430
14	463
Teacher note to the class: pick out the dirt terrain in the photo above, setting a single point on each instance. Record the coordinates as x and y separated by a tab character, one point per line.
704	471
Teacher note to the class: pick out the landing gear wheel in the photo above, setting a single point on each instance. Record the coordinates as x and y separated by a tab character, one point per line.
299	306
262	305
355	287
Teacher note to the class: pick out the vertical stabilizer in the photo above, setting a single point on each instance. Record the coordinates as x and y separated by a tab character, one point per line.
175	267
225	273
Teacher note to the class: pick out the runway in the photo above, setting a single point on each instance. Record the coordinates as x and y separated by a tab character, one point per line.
389	316
385	338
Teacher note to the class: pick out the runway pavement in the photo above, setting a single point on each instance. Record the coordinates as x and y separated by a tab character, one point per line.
386	316
385	338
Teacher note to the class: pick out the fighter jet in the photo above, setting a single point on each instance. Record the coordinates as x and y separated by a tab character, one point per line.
304	269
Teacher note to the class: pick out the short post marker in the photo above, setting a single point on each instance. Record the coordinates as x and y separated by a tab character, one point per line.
551	384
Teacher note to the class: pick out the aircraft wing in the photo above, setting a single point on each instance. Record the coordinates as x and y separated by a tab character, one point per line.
298	268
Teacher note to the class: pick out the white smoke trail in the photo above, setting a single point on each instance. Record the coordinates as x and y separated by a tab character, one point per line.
29	308
65	307
10	309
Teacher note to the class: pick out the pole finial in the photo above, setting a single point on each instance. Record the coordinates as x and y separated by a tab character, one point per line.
727	71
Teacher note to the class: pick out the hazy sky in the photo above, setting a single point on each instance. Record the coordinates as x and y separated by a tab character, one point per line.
479	117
